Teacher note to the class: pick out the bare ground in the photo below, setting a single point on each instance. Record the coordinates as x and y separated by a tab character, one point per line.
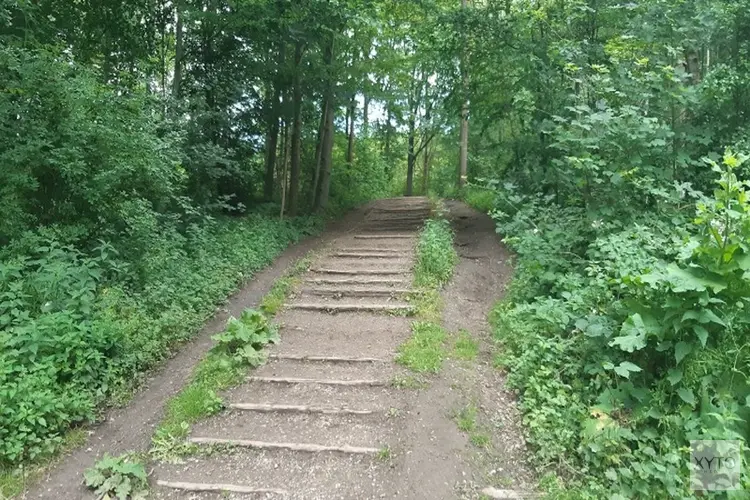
393	440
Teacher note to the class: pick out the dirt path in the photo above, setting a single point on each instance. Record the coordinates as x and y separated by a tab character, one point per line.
331	416
130	428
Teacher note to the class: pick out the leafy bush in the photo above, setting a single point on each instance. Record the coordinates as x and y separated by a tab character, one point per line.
123	478
629	343
436	256
78	328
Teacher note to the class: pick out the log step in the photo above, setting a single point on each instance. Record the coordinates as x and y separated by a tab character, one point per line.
368	255
265	445
333	307
324	359
271	408
361	271
315	381
385	236
354	281
372	292
385	251
220	488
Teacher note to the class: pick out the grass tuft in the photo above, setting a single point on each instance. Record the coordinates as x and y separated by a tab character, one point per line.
466	419
436	257
274	300
466	347
424	351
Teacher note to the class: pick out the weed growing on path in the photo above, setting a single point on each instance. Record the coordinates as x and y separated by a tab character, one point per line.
424	351
466	418
238	348
118	477
274	300
466	347
436	256
385	454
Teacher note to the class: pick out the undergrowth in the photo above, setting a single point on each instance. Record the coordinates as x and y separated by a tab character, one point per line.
77	330
628	340
436	257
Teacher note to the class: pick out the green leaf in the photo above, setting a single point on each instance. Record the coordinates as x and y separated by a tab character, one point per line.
625	368
633	336
674	376
681	350
702	334
708	316
686	395
611	474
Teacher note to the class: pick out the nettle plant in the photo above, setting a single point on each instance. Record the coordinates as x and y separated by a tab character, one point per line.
678	367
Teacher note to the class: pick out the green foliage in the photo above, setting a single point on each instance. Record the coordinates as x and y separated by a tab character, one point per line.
465	347
466	418
436	256
245	338
78	328
123	478
425	350
635	345
238	347
274	300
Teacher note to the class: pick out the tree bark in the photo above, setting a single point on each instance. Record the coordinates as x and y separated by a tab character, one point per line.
352	115
366	117
296	133
318	152
426	170
272	134
387	146
179	55
284	169
411	158
463	157
326	153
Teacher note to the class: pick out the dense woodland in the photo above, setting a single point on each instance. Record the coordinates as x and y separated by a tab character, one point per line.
156	153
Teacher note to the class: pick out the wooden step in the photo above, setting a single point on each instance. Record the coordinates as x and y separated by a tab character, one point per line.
364	272
271	408
342	292
220	488
354	281
265	445
385	236
325	359
315	381
333	307
369	255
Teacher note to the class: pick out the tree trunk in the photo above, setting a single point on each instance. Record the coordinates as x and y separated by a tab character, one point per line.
366	117
426	171
272	134
296	133
284	166
326	153
326	158
463	157
318	152
387	147
411	158
352	115
179	55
